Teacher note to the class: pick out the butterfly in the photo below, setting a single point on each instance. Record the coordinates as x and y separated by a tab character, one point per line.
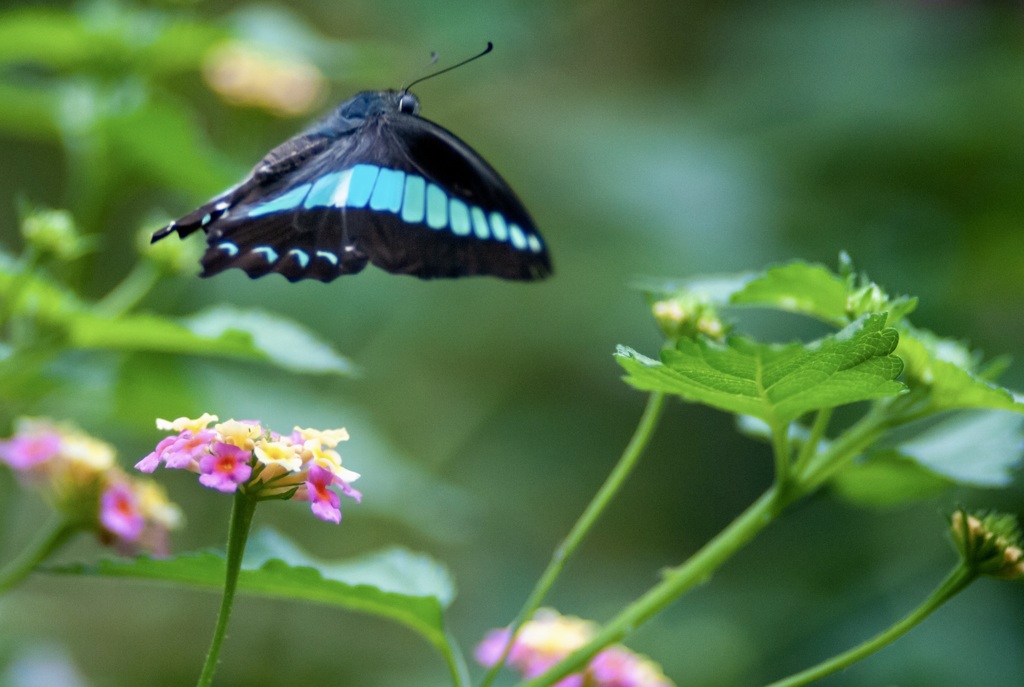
372	182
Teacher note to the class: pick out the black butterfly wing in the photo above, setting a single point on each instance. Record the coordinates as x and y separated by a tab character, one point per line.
256	226
471	222
397	191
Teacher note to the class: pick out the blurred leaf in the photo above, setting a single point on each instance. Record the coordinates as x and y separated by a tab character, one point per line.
887	479
27	111
55	38
160	139
978	448
284	342
776	383
152	385
105	34
714	289
225	331
949	383
409	588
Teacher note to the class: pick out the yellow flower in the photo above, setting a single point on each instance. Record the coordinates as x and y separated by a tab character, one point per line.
327	437
554	634
240	434
183	423
155	505
328	459
285	456
243	75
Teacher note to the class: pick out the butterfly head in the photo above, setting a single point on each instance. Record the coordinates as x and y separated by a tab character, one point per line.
408	103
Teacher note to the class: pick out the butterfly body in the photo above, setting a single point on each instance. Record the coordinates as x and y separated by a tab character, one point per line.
372	182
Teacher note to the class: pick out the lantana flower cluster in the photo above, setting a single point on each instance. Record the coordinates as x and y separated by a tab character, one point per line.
79	476
549	637
242	455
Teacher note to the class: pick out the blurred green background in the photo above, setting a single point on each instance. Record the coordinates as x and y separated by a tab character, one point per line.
662	138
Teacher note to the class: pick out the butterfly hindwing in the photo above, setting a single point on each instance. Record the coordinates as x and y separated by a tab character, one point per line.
370	183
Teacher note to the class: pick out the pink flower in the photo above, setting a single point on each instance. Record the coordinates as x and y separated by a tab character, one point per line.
490	649
244	455
325	503
120	511
25	451
189	449
548	638
153	460
617	666
225	468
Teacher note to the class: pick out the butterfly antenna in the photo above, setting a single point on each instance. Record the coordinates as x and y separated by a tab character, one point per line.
489	48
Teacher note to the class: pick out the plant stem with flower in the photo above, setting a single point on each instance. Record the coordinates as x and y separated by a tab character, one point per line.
254	464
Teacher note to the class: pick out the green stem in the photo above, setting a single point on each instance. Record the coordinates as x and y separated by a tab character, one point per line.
17	280
46	542
455	662
950	587
780	450
844	449
238	533
677	581
132	289
810	447
630	455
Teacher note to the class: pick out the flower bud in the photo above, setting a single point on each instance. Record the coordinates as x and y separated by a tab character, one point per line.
54	232
686	316
989	543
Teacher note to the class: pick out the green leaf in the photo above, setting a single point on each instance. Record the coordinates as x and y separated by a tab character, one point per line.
776	383
283	342
218	332
887	479
944	370
816	291
409	588
799	287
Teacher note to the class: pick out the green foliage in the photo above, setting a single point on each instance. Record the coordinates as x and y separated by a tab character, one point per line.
883	412
408	588
777	384
933	420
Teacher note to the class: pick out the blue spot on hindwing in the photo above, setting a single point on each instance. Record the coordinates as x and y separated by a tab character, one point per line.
328	256
228	247
300	255
267	252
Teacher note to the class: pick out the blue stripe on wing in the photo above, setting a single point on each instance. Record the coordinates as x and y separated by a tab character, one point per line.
410	196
